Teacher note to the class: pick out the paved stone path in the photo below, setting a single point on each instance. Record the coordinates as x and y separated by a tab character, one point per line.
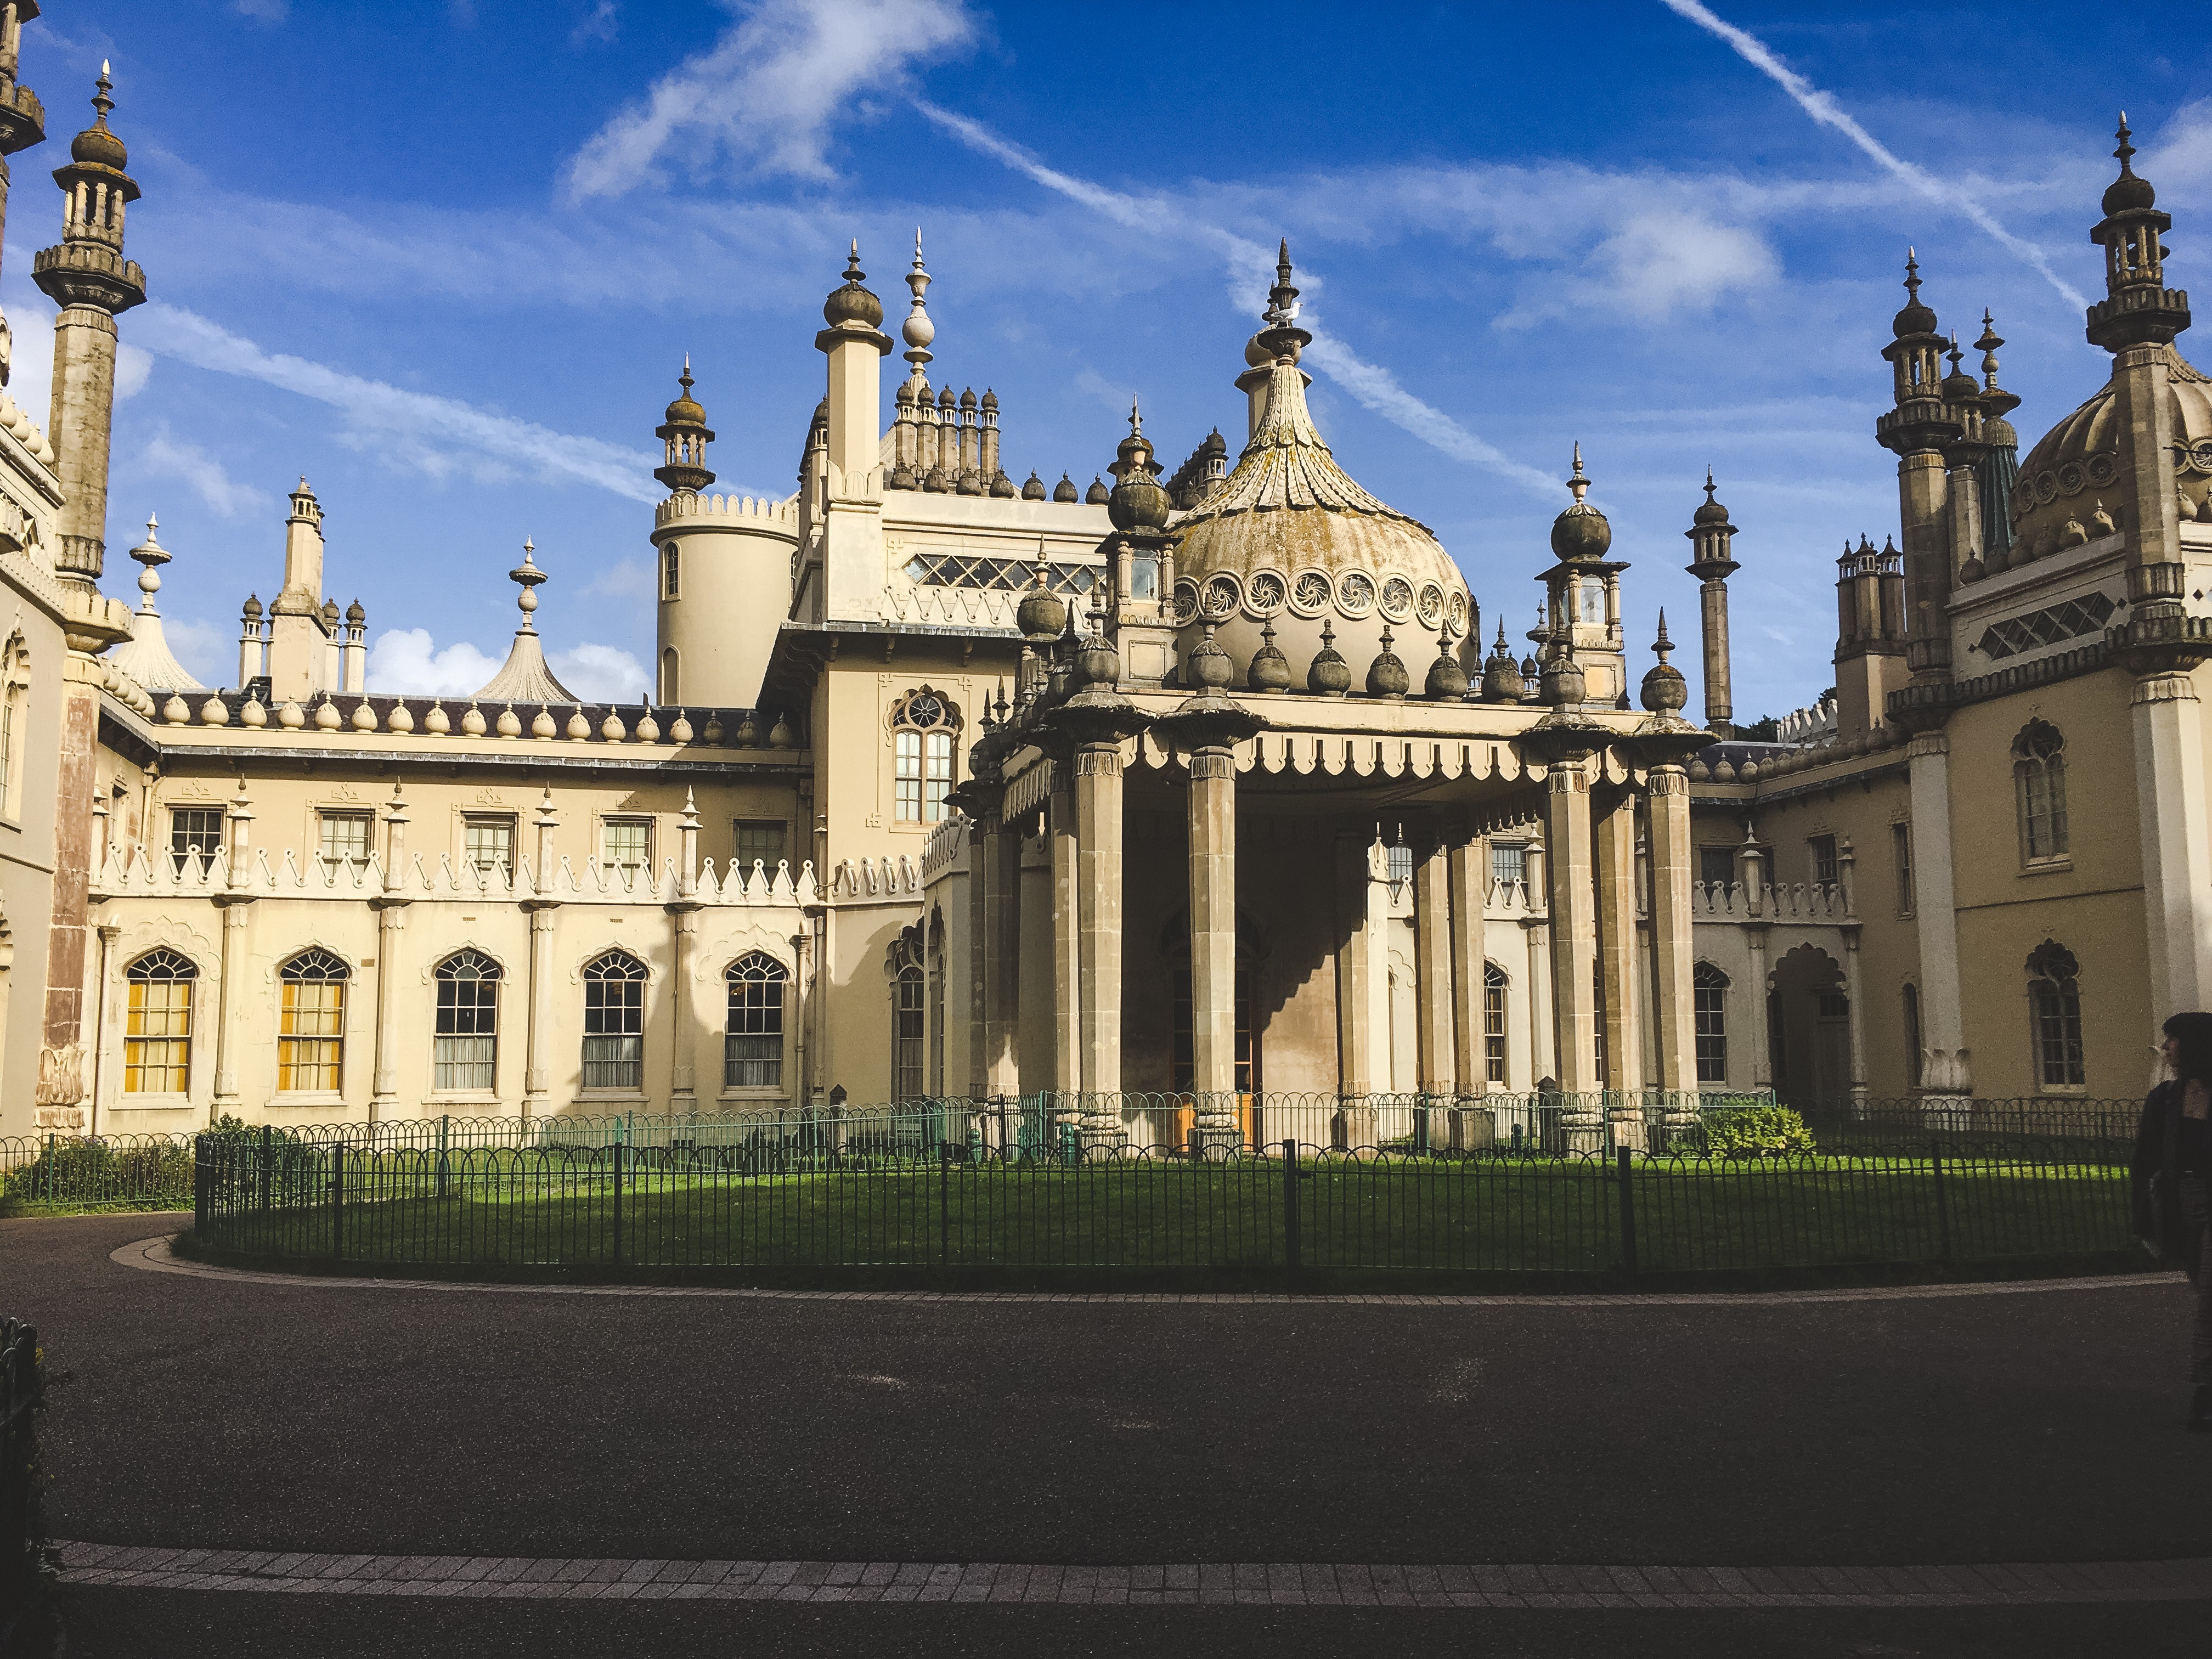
1252	1584
155	1256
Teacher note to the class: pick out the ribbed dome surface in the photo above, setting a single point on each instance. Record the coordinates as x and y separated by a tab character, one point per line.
2083	458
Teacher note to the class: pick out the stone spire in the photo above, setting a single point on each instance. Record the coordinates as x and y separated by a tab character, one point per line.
1713	561
918	331
525	678
2000	468
145	656
87	276
684	432
1916	429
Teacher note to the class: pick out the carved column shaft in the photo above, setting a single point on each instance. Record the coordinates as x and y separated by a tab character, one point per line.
1066	940
1098	835
1570	835
1617	957
1672	869
1469	882
1212	809
1433	973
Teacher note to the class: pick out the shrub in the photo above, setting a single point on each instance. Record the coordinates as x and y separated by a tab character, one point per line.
1756	1132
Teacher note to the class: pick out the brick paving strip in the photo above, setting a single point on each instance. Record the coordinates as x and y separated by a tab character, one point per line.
1260	1583
155	1256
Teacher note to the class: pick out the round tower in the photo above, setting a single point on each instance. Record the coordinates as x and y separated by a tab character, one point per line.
723	567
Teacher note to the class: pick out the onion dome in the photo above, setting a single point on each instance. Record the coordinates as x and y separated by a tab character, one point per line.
966	397
1959	386
1137	502
1215	444
1501	679
1096	494
2125	192
1065	489
1447	679
330	613
1581	534
354	613
1915	319
1097	663
1033	490
99	147
1003	487
1385	675
853	303
1207	667
253	607
933	480
1257	355
990	399
688	411
1043	613
1665	691
1565	686
1529	673
1329	676
1995	398
1271	669
2091	450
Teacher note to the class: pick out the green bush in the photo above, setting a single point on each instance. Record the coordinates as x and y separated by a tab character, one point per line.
1756	1132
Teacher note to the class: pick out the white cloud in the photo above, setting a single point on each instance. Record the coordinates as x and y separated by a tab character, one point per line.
602	22
1655	266
208	651
166	456
264	11
436	436
133	365
599	673
1824	109
406	661
767	91
625	579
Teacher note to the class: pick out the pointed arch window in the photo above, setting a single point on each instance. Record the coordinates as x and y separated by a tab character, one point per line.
1709	988
15	695
752	1046
468	1023
2055	1001
925	730
908	1033
311	1030
614	1022
1912	1052
157	1040
1494	984
2040	770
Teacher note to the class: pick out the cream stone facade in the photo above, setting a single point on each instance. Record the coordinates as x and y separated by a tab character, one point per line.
1191	802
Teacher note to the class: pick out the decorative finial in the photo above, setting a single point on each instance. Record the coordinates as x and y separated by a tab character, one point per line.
1282	299
1663	645
527	575
1709	486
1580	483
853	272
684	379
1987	345
918	329
151	554
2125	152
1912	275
102	102
1136	420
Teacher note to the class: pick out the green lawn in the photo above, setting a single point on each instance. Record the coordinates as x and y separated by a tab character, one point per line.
1483	1217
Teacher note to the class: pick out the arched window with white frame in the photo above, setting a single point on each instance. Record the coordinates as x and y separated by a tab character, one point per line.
15	709
1494	984
157	1035
614	1022
925	734
1709	988
2039	771
310	1031
467	1042
752	1045
2054	1006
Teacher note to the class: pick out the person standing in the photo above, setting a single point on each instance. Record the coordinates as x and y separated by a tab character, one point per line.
2171	1177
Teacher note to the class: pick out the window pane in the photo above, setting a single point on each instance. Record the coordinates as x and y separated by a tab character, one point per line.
760	841
311	1034
490	845
1900	836
1824	860
345	837
1493	1023
938	779
614	1062
1716	866
157	1040
1509	861
1708	997
907	776
628	842
194	830
465	1062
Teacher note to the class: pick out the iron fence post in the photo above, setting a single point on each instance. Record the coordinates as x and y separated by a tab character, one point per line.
337	1200
944	1205
1625	1164
1293	1245
617	1204
1943	1199
199	1185
268	1164
444	1134
50	1170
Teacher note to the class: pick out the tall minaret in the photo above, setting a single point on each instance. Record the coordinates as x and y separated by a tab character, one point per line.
1916	429
1713	561
852	539
91	280
2000	472
22	122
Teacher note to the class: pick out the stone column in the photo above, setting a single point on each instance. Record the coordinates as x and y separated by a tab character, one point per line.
1356	1037
237	903
1098	947
1002	931
1615	826
1672	869
683	911
390	926
1432	974
2177	849
1468	878
1570	834
1945	1071
1543	1042
537	1072
1066	937
980	854
1212	830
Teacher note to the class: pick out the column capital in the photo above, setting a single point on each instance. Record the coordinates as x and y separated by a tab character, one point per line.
1926	745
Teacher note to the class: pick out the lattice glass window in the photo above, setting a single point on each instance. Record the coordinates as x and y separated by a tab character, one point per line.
157	1040
924	728
672	571
1709	1010
2055	999
487	843
752	1047
311	1032
614	1022
1716	866
1825	868
2040	767
468	1022
907	1036
759	840
1509	862
194	834
1400	864
2071	619
626	844
952	568
345	837
1493	1021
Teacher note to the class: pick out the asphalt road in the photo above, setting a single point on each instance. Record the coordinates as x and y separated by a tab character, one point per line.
1997	1428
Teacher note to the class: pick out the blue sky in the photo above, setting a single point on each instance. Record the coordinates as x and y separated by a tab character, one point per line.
445	259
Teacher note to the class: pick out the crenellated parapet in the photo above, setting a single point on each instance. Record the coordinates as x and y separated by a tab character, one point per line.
681	511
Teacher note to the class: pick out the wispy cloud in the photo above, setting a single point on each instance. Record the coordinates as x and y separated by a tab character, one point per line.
602	22
263	11
167	456
1824	109
1250	265
764	95
438	436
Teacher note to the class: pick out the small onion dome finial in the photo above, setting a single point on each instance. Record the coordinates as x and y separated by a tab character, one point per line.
1995	398
1270	670
1447	680
1095	495
355	613
918	331
253	611
1581	533
527	576
1665	691
1033	487
1915	319
1501	677
1712	511
1043	613
1385	675
1959	385
1207	668
853	303
1136	501
1564	685
686	410
1065	490
1329	675
2128	190
96	145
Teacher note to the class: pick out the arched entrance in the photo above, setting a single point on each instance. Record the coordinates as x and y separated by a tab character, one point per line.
1810	1029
